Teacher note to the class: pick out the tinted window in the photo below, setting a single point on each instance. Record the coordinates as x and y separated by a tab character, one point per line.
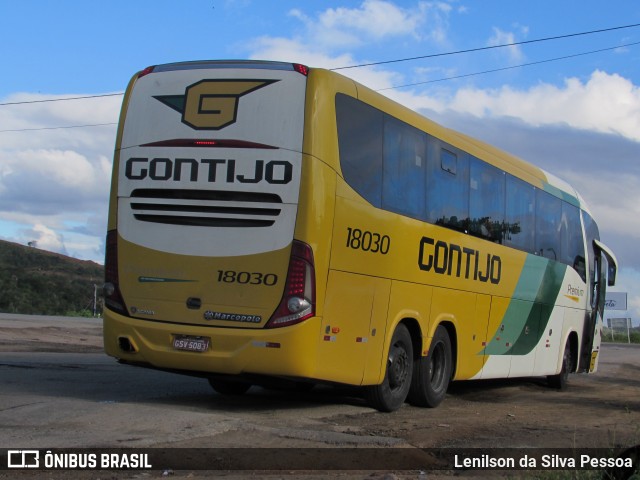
571	241
486	201
548	215
448	187
402	169
405	160
520	222
360	145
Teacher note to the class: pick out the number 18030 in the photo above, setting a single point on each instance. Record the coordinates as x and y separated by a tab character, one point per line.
368	241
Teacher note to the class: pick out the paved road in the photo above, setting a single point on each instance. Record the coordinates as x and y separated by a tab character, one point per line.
59	399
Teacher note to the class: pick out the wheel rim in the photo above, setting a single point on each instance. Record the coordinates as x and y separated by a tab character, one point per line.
398	367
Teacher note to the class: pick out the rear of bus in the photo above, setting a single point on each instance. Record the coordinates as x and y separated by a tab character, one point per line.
202	269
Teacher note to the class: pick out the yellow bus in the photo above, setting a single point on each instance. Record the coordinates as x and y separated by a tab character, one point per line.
273	221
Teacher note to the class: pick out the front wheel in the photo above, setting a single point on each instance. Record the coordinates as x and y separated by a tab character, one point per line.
561	380
392	392
431	374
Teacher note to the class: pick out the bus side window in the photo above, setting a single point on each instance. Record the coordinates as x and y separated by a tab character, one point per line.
360	129
448	186
520	221
486	202
548	216
404	175
571	240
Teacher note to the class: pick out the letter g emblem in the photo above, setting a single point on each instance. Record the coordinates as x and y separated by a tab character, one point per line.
213	104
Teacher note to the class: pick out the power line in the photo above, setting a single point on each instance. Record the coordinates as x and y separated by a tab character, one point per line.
509	68
58	128
378	90
371	64
63	99
524	42
384	62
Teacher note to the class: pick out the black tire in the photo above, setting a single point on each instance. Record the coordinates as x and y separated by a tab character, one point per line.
431	374
227	387
392	392
561	380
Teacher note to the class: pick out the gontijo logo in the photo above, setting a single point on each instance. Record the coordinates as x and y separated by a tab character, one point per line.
212	104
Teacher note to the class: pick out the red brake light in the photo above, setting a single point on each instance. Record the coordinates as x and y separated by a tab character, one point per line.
299	299
112	296
302	69
146	71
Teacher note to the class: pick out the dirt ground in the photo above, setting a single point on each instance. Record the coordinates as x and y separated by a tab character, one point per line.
597	411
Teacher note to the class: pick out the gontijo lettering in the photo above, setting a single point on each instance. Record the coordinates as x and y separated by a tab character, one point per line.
453	260
215	169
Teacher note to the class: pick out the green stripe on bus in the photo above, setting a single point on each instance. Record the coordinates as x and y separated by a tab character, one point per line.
530	308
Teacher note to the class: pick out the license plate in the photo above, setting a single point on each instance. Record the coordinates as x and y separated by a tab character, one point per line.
191	344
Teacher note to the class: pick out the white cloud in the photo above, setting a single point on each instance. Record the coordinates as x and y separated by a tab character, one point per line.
46	239
373	20
54	184
604	103
288	50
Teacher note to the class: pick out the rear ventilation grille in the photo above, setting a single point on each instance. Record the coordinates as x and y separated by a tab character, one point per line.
205	208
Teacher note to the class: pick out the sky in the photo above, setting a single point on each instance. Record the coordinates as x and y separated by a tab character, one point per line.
569	105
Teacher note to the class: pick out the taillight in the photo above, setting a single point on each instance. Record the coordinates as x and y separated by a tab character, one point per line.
299	299
146	71
302	69
112	296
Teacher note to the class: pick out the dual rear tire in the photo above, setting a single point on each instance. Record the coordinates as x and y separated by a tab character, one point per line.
423	381
431	374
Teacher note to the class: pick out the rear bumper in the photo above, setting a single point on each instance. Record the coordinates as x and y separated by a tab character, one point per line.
287	351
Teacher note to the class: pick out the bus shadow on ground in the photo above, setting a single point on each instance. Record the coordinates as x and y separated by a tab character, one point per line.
260	398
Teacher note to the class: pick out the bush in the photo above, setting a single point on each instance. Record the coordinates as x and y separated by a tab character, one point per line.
620	336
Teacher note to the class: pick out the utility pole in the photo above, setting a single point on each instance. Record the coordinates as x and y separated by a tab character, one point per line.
95	298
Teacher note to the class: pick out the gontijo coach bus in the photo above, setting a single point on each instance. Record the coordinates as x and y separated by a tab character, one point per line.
272	221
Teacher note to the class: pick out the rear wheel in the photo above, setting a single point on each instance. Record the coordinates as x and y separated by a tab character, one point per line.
431	374
392	392
561	380
227	387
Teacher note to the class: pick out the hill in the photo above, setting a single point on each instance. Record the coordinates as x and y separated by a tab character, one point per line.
35	281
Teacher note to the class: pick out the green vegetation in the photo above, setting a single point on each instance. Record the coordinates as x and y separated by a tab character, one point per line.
34	281
621	336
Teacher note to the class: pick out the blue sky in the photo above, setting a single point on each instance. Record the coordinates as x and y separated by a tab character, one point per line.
93	47
578	118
